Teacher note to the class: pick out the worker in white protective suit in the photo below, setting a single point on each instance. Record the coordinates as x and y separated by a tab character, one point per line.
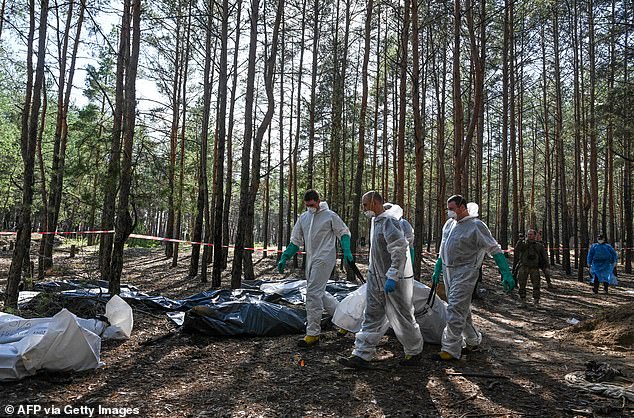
465	241
389	293
408	230
317	230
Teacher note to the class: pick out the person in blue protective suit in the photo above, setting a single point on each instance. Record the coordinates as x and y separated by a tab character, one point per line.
601	261
317	230
389	294
465	241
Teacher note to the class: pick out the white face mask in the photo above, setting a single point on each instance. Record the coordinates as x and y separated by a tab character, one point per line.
451	214
601	241
312	210
369	214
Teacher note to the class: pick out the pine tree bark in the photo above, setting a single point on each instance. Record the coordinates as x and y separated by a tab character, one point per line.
419	138
125	225
504	206
627	174
28	139
181	163
40	158
400	166
245	170
218	266
175	104
245	221
204	139
313	97
61	130
358	176
111	181
559	142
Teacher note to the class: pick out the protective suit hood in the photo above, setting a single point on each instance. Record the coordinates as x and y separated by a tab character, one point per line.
472	208
322	206
395	211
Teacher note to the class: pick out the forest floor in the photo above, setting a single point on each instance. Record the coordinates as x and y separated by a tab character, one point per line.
526	353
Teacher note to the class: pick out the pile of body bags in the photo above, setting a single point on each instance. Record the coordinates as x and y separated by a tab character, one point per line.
431	316
63	342
347	307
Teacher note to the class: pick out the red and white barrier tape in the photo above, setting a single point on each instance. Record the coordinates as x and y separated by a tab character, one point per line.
271	249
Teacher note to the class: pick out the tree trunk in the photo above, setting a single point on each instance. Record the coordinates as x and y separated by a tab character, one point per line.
61	130
579	153
204	138
419	141
559	141
181	163
504	206
267	195
458	112
171	168
358	176
336	134
28	139
440	90
280	198
219	175
627	175
313	99
125	225
400	170
609	181
246	218
512	126
245	171
44	227
111	180
229	143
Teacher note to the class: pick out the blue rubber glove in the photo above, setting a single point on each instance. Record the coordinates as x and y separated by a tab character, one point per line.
290	251
390	286
435	278
507	276
345	246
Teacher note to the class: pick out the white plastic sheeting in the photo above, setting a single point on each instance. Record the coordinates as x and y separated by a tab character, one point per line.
119	314
61	343
349	313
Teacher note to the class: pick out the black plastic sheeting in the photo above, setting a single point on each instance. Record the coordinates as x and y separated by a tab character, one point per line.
220	312
294	296
248	317
99	290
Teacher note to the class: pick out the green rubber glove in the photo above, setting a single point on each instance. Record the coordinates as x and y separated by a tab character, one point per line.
290	251
437	271
345	245
507	276
411	254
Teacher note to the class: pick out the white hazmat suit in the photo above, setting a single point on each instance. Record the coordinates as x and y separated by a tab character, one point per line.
462	249
388	255
318	233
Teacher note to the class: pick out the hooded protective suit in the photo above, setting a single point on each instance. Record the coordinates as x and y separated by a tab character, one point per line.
602	258
388	255
318	233
462	249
